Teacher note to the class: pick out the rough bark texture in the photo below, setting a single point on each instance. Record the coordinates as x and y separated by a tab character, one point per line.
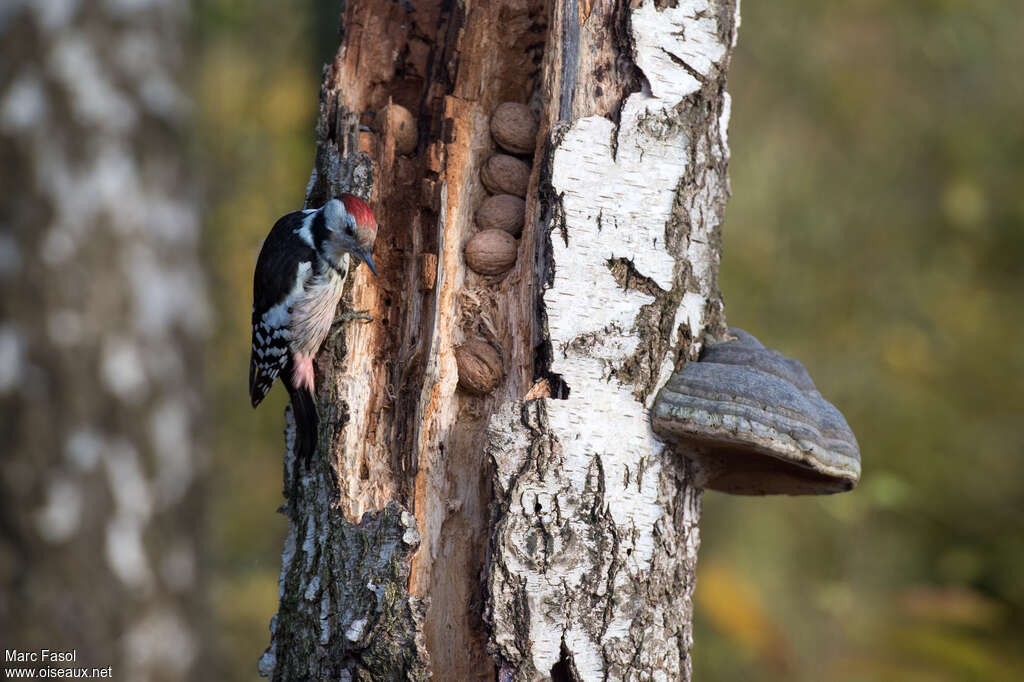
102	313
556	536
595	540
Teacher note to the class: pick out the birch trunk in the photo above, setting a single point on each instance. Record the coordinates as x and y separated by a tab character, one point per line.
102	314
539	531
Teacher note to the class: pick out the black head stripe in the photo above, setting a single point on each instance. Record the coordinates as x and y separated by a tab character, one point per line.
319	231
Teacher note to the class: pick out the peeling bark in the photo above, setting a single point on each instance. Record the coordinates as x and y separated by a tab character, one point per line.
595	540
558	537
102	313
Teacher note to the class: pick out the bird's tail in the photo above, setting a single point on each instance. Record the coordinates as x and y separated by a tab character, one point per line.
307	423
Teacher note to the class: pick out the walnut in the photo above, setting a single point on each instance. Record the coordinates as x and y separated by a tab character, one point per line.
491	252
514	127
502	212
504	174
480	368
402	127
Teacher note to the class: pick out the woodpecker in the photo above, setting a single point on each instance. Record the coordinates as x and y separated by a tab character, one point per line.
299	277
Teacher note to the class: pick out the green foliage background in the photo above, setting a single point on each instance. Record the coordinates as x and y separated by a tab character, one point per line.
875	232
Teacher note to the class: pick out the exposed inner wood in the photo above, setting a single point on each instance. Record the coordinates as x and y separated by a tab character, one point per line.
365	77
401	428
593	518
498	59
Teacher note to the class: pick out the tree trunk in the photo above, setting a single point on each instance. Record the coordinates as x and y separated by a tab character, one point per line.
102	313
538	530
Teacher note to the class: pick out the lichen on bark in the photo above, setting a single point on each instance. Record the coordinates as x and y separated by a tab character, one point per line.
345	611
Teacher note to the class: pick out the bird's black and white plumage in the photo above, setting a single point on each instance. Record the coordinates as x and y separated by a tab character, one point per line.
299	277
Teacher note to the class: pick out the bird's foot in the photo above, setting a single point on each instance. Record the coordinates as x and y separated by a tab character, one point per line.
348	316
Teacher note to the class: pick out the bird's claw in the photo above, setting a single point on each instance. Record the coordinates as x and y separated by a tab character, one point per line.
349	315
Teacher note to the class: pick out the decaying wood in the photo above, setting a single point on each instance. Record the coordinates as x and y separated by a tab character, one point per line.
556	536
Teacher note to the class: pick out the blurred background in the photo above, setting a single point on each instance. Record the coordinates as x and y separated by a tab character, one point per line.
875	232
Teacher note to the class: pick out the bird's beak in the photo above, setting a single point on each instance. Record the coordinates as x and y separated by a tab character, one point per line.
368	259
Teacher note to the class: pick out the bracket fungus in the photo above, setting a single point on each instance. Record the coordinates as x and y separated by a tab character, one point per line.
754	423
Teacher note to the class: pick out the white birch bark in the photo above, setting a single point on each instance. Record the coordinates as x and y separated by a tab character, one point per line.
102	315
580	525
597	536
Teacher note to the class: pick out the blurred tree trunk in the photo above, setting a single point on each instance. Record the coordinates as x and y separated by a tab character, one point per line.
538	531
103	313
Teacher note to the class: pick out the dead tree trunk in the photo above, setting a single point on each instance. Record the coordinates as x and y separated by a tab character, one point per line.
102	314
538	530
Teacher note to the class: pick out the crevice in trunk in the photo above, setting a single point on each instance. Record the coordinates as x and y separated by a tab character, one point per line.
564	670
